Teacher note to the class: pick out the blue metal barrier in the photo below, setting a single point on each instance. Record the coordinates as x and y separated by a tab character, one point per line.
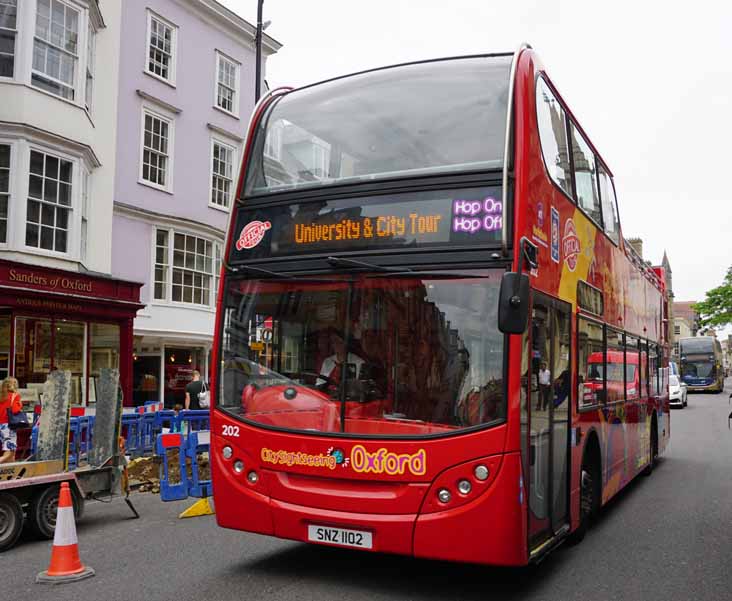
131	433
147	433
192	420
198	442
166	418
164	445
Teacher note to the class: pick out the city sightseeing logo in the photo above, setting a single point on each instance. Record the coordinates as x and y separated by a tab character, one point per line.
570	245
252	234
339	455
381	461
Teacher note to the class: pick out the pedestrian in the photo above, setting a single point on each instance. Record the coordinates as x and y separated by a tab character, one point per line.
545	387
9	401
193	389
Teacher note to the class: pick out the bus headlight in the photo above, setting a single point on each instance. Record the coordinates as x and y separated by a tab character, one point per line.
227	452
481	472
444	495
252	477
464	487
238	466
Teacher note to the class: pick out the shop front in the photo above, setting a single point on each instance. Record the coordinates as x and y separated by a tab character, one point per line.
53	319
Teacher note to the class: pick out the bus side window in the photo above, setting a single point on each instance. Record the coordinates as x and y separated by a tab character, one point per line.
643	369
653	371
591	363
609	207
553	136
615	366
632	360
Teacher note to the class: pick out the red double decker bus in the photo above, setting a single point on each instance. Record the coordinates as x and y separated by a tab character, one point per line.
432	338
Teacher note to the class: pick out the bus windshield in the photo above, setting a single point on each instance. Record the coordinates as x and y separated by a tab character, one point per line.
422	118
698	369
365	355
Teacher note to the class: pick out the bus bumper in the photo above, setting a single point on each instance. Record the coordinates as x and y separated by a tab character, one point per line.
489	530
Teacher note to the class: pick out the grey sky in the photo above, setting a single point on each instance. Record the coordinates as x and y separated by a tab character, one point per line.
651	85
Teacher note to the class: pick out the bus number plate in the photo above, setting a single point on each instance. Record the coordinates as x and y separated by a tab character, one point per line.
340	536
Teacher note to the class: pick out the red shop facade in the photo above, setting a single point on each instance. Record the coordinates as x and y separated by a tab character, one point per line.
55	319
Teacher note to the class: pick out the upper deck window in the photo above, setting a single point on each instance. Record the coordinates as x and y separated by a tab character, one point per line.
585	176
433	117
609	207
553	135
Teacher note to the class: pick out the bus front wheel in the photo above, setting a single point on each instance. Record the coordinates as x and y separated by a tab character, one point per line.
589	498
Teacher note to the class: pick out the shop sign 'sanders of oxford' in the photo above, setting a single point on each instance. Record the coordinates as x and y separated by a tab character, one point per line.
54	282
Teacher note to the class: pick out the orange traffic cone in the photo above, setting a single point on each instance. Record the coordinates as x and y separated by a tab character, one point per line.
65	563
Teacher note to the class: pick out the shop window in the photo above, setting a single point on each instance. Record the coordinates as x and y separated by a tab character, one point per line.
42	345
103	353
590	362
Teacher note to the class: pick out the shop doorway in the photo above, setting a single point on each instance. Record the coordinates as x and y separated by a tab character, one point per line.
145	379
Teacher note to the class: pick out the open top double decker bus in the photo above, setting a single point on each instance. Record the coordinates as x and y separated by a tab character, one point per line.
432	338
701	363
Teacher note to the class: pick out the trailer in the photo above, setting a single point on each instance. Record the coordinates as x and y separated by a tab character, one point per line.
29	490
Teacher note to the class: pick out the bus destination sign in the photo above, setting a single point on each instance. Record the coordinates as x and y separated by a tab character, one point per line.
412	220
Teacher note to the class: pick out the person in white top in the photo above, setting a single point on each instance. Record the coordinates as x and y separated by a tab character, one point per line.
333	365
545	387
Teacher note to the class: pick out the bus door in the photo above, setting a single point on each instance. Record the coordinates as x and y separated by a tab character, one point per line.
549	413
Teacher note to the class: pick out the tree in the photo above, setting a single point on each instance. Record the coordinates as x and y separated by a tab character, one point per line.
716	308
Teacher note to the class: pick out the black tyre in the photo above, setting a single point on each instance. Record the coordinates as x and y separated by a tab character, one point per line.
11	520
589	500
43	508
652	450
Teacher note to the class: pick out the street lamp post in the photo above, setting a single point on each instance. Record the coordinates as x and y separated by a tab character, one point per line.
258	44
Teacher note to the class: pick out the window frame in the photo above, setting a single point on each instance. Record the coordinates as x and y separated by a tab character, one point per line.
12	174
172	70
90	66
169	267
574	128
72	243
156	114
219	56
15	46
80	56
232	191
592	319
601	167
569	194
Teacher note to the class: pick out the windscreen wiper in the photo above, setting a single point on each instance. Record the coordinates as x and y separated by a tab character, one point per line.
277	275
339	262
430	274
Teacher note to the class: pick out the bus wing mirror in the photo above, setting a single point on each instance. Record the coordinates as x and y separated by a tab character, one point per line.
513	303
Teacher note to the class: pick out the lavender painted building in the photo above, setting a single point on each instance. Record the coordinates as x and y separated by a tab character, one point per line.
186	90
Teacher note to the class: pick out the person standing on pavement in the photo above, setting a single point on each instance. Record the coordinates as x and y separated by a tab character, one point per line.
9	401
545	387
193	389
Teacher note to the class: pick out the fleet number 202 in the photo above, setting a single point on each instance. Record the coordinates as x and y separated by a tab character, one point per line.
231	431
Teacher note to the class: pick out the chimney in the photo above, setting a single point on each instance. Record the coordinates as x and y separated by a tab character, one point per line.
637	244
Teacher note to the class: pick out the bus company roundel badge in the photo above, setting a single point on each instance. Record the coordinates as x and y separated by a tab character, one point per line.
570	245
252	234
